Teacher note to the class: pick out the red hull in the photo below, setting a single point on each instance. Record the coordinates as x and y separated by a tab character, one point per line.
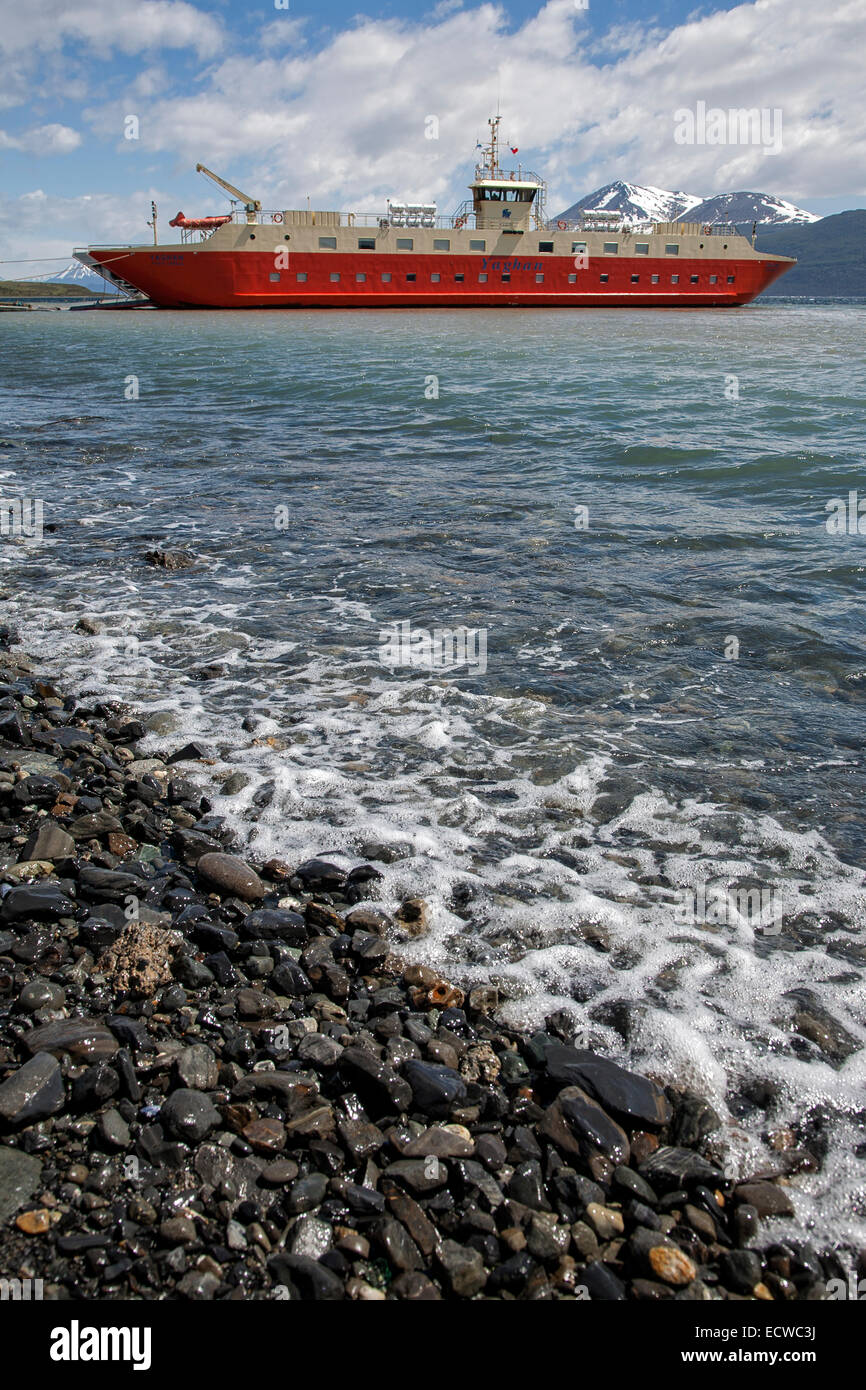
198	278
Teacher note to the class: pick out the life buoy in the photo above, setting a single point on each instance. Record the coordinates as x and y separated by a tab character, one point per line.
706	230
276	217
459	222
562	225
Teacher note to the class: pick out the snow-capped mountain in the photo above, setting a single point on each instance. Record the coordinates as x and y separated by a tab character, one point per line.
750	207
75	274
637	203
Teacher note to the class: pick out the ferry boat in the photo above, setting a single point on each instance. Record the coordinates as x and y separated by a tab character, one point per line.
497	250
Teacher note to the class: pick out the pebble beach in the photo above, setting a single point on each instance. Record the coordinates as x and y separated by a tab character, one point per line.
223	1079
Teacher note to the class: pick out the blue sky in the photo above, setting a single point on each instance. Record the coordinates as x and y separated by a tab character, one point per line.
331	101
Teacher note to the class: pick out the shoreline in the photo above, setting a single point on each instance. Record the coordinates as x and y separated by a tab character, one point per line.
219	1080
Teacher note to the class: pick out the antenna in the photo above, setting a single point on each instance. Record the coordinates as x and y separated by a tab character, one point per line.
152	222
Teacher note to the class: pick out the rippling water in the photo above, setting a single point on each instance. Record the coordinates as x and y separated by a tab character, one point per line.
673	693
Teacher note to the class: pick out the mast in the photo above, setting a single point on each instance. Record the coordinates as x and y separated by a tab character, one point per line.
492	152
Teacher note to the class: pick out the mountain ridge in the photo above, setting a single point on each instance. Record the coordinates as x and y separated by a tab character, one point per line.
646	203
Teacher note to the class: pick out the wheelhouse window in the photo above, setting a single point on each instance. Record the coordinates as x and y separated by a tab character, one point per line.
546	247
611	248
327	243
441	244
641	248
478	246
672	248
405	243
366	243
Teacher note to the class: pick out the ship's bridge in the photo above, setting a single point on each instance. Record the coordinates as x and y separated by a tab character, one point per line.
505	200
505	203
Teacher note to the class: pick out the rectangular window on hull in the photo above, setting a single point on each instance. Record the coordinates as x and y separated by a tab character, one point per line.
693	279
366	243
641	248
672	248
611	248
482	279
441	245
327	243
505	277
405	243
634	279
675	279
386	276
335	275
730	279
459	279
413	276
578	248
274	275
435	278
654	279
714	279
572	278
360	277
546	246
477	245
604	279
539	279
301	276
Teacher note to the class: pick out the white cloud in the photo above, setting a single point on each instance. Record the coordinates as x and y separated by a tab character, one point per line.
346	123
129	26
42	140
43	225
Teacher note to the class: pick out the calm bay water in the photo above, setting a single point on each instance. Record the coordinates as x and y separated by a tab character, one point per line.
674	696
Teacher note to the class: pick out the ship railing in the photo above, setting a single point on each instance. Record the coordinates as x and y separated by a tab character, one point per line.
518	175
441	221
626	226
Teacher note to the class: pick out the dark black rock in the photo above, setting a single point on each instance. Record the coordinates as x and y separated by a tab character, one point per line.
624	1094
319	874
436	1090
43	901
378	1083
526	1185
602	1283
189	1115
32	1092
740	1270
670	1168
306	1278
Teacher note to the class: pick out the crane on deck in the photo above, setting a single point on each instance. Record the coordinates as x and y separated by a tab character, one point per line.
251	205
